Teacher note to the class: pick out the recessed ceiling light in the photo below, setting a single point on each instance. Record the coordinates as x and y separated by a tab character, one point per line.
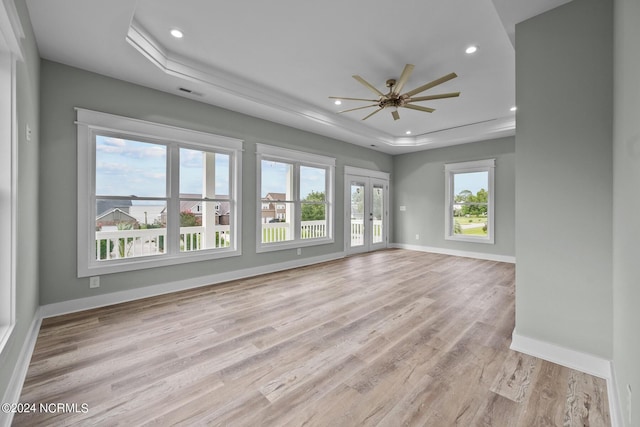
177	33
513	108
338	102
408	132
471	49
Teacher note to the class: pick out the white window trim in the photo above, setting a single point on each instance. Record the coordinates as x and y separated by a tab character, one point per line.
11	34
269	152
89	122
451	169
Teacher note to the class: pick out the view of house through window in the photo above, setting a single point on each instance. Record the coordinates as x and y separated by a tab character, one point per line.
470	208
132	199
279	202
295	198
151	194
469	204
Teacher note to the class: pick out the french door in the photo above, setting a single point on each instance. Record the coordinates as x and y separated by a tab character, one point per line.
366	222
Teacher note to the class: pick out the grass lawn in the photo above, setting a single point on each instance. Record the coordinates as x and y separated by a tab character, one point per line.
475	231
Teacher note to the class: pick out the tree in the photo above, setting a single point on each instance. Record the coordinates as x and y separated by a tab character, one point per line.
314	211
469	208
189	219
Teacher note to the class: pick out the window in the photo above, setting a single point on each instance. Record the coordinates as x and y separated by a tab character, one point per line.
10	54
469	201
295	193
8	176
152	195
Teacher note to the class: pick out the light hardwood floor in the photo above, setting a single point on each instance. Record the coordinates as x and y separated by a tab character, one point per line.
390	338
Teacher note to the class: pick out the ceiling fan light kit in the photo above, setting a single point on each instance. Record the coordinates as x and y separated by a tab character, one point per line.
394	99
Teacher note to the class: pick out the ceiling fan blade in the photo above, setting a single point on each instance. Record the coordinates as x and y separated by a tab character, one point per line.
395	115
419	108
408	69
379	109
430	97
368	85
358	108
429	85
353	99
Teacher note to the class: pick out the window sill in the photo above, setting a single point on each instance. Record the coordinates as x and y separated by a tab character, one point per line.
141	263
471	239
292	244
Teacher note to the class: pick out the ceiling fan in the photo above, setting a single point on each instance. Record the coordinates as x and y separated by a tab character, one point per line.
394	99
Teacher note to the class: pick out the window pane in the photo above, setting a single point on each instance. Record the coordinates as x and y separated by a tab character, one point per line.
223	171
277	180
126	228
277	221
314	221
203	174
204	225
126	167
470	203
313	184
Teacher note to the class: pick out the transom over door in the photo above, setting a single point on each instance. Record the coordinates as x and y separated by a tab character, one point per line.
367	213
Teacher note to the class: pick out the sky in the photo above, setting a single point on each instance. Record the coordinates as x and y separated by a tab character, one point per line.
472	181
125	168
274	178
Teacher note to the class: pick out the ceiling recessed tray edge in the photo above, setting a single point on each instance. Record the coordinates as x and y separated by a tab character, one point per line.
287	110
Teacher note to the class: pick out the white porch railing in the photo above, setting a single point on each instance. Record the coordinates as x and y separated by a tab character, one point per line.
357	232
135	243
281	231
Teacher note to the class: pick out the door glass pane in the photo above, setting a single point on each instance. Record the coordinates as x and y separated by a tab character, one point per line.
377	232
470	203
357	214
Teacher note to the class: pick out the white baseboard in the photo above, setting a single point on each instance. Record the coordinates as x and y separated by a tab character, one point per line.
103	300
454	252
14	389
583	362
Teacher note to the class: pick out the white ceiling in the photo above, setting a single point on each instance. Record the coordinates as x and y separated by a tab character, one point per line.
281	60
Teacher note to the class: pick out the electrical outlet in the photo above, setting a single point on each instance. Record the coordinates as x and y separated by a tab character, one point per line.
28	133
299	251
417	237
94	282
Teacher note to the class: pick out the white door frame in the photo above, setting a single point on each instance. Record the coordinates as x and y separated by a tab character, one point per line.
369	177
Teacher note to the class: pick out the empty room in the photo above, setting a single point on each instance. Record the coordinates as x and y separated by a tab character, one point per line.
320	214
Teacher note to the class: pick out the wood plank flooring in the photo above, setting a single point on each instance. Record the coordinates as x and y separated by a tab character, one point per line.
391	338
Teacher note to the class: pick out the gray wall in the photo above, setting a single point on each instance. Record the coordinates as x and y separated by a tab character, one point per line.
564	87
63	88
27	221
626	227
419	184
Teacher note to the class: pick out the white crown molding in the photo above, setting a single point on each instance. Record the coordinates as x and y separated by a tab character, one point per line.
186	69
285	109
